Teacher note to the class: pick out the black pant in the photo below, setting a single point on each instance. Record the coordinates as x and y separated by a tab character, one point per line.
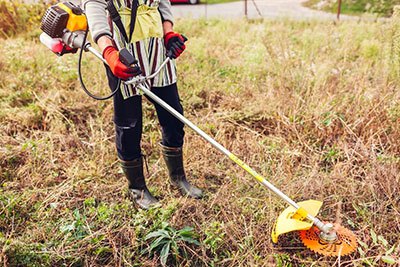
128	120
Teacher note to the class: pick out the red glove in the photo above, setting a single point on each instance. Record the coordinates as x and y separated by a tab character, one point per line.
119	69
175	44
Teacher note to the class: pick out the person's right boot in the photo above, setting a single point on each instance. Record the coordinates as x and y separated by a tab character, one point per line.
138	190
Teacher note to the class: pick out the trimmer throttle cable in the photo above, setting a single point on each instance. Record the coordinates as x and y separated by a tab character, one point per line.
81	79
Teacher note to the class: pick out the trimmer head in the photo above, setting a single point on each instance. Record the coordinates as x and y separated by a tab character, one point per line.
344	243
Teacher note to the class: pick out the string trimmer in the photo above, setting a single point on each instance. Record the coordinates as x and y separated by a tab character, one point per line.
65	31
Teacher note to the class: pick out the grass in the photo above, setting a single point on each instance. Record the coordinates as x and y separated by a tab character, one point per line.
18	17
355	7
216	1
314	106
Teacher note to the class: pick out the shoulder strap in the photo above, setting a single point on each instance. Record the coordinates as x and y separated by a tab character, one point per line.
116	18
135	4
134	8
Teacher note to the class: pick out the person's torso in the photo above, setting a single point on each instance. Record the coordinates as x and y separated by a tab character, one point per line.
147	44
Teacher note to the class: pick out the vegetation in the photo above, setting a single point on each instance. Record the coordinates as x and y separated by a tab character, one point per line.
355	7
314	106
18	17
216	1
166	241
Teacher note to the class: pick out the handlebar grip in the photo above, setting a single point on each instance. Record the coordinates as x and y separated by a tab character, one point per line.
127	58
169	53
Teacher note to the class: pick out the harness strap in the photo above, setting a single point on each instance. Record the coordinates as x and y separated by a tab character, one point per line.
116	18
135	4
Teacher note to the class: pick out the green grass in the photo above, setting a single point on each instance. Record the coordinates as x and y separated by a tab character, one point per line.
356	7
313	106
216	1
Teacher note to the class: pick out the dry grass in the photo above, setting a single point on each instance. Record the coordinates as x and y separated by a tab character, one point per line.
16	16
313	106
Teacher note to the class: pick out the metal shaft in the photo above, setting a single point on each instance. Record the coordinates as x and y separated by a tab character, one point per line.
221	148
88	47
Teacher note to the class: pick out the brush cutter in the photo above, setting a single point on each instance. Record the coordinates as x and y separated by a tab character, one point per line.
324	238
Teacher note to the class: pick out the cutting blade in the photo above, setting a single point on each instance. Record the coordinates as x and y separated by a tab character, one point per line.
345	243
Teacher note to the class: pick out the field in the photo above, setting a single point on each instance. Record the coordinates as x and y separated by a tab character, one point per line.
216	1
356	7
314	106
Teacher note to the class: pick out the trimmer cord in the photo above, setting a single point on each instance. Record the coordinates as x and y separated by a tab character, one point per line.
81	79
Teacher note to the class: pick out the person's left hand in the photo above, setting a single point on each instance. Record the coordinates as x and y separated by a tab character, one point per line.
175	44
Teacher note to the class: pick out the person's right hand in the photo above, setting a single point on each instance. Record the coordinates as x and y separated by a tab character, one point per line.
119	69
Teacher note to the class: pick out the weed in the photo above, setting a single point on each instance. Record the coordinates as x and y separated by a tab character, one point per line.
379	243
77	227
283	260
214	236
169	241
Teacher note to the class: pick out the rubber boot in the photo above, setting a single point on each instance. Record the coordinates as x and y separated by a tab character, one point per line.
174	161
138	191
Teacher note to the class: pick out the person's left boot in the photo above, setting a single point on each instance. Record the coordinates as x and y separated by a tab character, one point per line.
174	160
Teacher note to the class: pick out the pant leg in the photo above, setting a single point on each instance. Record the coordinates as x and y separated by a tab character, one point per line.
172	128
128	122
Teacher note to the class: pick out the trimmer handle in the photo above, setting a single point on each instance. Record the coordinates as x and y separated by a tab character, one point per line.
127	58
169	53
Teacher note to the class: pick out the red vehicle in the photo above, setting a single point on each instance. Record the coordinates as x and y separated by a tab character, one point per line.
192	2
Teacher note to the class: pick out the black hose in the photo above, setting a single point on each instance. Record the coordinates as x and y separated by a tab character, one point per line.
81	79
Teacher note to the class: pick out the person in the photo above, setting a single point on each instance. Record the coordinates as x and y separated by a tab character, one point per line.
149	42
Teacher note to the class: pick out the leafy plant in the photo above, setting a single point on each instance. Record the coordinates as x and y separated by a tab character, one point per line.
214	236
381	244
169	241
77	228
283	260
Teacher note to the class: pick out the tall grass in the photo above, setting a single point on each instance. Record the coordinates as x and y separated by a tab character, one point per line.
356	7
314	106
17	17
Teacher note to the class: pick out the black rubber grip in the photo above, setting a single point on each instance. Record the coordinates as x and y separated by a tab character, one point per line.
126	57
